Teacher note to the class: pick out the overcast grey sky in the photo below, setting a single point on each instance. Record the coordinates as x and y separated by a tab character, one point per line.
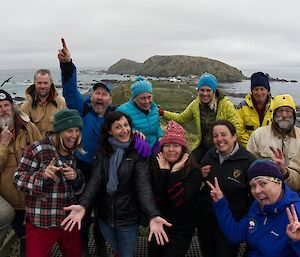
247	34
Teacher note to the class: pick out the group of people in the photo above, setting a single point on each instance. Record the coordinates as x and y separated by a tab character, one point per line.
65	158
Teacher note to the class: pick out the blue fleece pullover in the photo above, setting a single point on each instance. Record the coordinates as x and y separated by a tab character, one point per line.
92	123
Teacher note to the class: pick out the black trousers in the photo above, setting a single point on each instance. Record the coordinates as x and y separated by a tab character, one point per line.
88	220
178	246
212	241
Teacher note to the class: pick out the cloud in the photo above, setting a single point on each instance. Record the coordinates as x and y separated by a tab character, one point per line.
245	34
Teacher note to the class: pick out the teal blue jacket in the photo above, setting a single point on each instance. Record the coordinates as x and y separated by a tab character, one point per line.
148	124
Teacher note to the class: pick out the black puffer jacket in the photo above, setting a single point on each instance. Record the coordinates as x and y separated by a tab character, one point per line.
134	193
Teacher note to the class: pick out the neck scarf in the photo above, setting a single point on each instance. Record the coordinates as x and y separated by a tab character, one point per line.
114	163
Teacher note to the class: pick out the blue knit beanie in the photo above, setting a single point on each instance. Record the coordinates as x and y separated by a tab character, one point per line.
208	80
259	79
140	85
266	168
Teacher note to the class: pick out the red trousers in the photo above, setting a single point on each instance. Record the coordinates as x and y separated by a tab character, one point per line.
40	241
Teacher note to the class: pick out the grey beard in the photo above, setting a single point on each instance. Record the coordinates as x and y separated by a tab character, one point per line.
284	125
7	122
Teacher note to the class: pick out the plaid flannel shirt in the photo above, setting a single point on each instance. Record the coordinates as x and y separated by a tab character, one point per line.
45	199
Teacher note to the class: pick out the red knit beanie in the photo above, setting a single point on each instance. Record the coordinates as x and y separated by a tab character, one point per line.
174	135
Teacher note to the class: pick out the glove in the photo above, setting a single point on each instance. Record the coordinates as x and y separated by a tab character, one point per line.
142	147
161	111
155	149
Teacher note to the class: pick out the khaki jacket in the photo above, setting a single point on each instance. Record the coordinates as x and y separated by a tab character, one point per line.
42	115
10	155
259	144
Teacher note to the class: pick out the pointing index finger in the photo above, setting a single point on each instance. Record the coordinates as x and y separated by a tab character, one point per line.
64	43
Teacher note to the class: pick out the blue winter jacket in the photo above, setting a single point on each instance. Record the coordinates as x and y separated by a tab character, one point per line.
148	124
263	229
92	123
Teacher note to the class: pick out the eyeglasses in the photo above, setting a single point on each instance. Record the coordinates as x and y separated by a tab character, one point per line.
284	109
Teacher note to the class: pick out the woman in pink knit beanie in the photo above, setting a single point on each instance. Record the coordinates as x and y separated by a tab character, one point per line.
176	180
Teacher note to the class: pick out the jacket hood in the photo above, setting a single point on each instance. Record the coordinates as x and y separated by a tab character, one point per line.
287	199
30	94
21	118
284	100
219	94
31	90
249	101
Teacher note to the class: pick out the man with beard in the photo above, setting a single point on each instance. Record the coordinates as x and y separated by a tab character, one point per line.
42	101
16	132
280	141
92	110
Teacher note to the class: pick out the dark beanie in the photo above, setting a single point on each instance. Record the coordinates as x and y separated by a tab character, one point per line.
5	96
259	79
65	119
266	168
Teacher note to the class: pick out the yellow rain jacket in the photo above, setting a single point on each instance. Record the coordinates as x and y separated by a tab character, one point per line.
249	120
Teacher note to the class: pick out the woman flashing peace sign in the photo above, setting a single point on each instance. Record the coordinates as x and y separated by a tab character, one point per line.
271	226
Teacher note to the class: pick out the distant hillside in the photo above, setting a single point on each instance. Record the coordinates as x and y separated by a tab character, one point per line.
124	66
177	65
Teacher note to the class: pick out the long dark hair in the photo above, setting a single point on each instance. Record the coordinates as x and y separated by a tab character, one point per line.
110	118
188	166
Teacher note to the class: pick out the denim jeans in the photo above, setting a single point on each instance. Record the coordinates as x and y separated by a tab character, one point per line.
123	239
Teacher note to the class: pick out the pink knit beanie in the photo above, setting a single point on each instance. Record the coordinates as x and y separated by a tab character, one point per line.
174	135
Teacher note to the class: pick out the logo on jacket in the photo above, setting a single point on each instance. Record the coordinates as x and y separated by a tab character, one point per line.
251	225
236	173
2	96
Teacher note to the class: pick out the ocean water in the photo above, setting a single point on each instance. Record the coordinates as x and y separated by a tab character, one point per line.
22	78
277	88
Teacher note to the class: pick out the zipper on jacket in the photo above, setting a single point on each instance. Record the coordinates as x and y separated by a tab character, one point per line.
112	210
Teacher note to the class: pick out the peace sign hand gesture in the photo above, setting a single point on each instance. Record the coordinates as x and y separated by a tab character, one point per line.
64	55
278	157
293	228
50	171
215	193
